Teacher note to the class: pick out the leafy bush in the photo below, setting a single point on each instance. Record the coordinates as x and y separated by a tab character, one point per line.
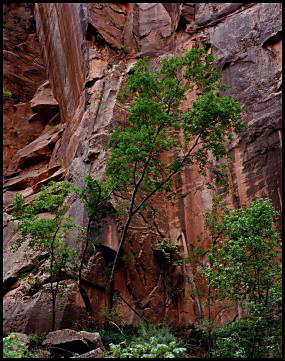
244	261
150	342
38	338
167	252
147	349
234	340
13	347
162	333
244	268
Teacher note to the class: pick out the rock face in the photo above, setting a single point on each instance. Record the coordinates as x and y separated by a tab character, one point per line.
24	71
30	312
66	341
97	353
59	128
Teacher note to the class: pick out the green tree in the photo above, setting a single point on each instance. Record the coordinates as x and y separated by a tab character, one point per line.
94	197
47	234
244	267
156	124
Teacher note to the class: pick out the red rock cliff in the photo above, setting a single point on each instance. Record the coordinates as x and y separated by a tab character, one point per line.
64	64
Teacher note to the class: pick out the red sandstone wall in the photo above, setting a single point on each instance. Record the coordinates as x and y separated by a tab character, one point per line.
63	127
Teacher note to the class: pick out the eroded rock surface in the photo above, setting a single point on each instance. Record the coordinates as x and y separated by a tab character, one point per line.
97	353
59	128
68	341
32	313
253	73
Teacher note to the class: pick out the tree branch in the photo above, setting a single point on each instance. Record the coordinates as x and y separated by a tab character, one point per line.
134	174
132	308
130	216
167	178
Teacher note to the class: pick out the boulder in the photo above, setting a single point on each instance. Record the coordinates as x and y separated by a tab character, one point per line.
97	353
93	338
68	341
32	313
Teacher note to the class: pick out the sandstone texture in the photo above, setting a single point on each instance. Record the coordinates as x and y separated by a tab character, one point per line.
30	312
67	341
97	353
24	71
64	64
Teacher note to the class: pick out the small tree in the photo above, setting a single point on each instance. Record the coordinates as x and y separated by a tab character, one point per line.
94	198
47	234
245	269
156	124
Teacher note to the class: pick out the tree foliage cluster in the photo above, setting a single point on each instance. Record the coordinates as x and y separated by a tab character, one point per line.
244	268
148	341
157	125
167	252
47	233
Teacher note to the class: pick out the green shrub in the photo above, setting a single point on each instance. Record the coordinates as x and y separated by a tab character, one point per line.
150	342
244	268
148	349
167	252
234	340
38	338
162	333
13	347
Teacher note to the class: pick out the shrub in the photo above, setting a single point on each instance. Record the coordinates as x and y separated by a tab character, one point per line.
150	342
244	268
234	340
13	347
37	338
167	252
148	349
162	333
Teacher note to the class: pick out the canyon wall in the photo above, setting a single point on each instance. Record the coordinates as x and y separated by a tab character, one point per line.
64	64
